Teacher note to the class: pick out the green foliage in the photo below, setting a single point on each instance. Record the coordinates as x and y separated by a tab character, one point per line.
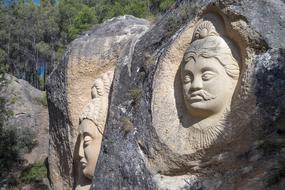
34	173
15	188
14	142
83	21
126	125
110	141
26	140
3	65
136	95
42	99
43	48
137	8
13	100
35	35
165	5
172	25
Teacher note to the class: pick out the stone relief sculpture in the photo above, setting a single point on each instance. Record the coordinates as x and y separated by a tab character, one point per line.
92	123
209	72
198	81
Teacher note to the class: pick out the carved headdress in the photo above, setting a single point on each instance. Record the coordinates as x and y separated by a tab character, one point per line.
208	43
96	109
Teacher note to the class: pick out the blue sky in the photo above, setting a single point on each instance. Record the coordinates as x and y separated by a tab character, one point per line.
37	1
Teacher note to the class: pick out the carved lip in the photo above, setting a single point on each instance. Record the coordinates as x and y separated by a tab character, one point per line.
196	97
83	163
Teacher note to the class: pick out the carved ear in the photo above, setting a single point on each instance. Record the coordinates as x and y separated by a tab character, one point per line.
94	92
98	88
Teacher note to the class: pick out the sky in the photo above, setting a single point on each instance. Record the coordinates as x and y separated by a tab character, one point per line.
37	1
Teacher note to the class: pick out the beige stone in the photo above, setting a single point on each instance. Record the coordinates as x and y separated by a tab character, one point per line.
199	80
92	125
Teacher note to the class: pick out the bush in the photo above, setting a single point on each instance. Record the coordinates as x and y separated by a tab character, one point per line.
34	173
126	125
165	5
13	143
42	99
136	95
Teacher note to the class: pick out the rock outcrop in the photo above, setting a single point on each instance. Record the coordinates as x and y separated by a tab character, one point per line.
29	111
70	89
28	121
158	133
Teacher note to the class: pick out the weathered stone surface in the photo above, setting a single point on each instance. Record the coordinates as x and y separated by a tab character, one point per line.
26	104
69	90
133	156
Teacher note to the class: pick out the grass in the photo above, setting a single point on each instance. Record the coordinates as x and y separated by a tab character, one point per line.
34	173
136	95
14	188
42	99
126	125
13	100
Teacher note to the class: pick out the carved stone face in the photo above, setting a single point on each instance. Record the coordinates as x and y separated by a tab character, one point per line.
89	147
207	88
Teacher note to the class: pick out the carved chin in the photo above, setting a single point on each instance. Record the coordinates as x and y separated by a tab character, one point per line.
87	173
199	108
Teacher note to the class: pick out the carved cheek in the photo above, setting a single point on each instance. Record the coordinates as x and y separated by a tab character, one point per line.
186	88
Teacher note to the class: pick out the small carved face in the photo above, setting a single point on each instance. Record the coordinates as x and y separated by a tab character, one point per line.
207	87
89	147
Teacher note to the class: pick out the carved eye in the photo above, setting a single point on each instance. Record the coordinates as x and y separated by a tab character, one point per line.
187	78
207	75
87	139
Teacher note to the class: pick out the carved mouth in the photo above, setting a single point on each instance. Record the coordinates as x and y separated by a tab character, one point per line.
83	163
196	98
200	95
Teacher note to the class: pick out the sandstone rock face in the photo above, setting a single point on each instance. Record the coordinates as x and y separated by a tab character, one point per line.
72	91
150	141
26	103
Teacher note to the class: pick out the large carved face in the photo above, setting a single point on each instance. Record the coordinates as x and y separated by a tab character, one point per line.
89	147
207	87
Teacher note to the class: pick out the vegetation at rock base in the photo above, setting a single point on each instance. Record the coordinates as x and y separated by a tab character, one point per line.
42	100
14	141
34	173
33	36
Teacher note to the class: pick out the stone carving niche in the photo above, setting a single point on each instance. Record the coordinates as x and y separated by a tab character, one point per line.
200	79
92	123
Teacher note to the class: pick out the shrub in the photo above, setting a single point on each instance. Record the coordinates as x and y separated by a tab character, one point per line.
14	142
136	95
126	125
165	5
34	173
42	99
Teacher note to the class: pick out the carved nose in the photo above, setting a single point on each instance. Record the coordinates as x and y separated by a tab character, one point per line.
81	150
196	84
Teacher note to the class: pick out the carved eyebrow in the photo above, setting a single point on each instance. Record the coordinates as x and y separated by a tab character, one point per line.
87	134
209	69
187	71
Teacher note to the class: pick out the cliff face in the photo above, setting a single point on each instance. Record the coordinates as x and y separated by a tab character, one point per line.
151	139
69	89
142	158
